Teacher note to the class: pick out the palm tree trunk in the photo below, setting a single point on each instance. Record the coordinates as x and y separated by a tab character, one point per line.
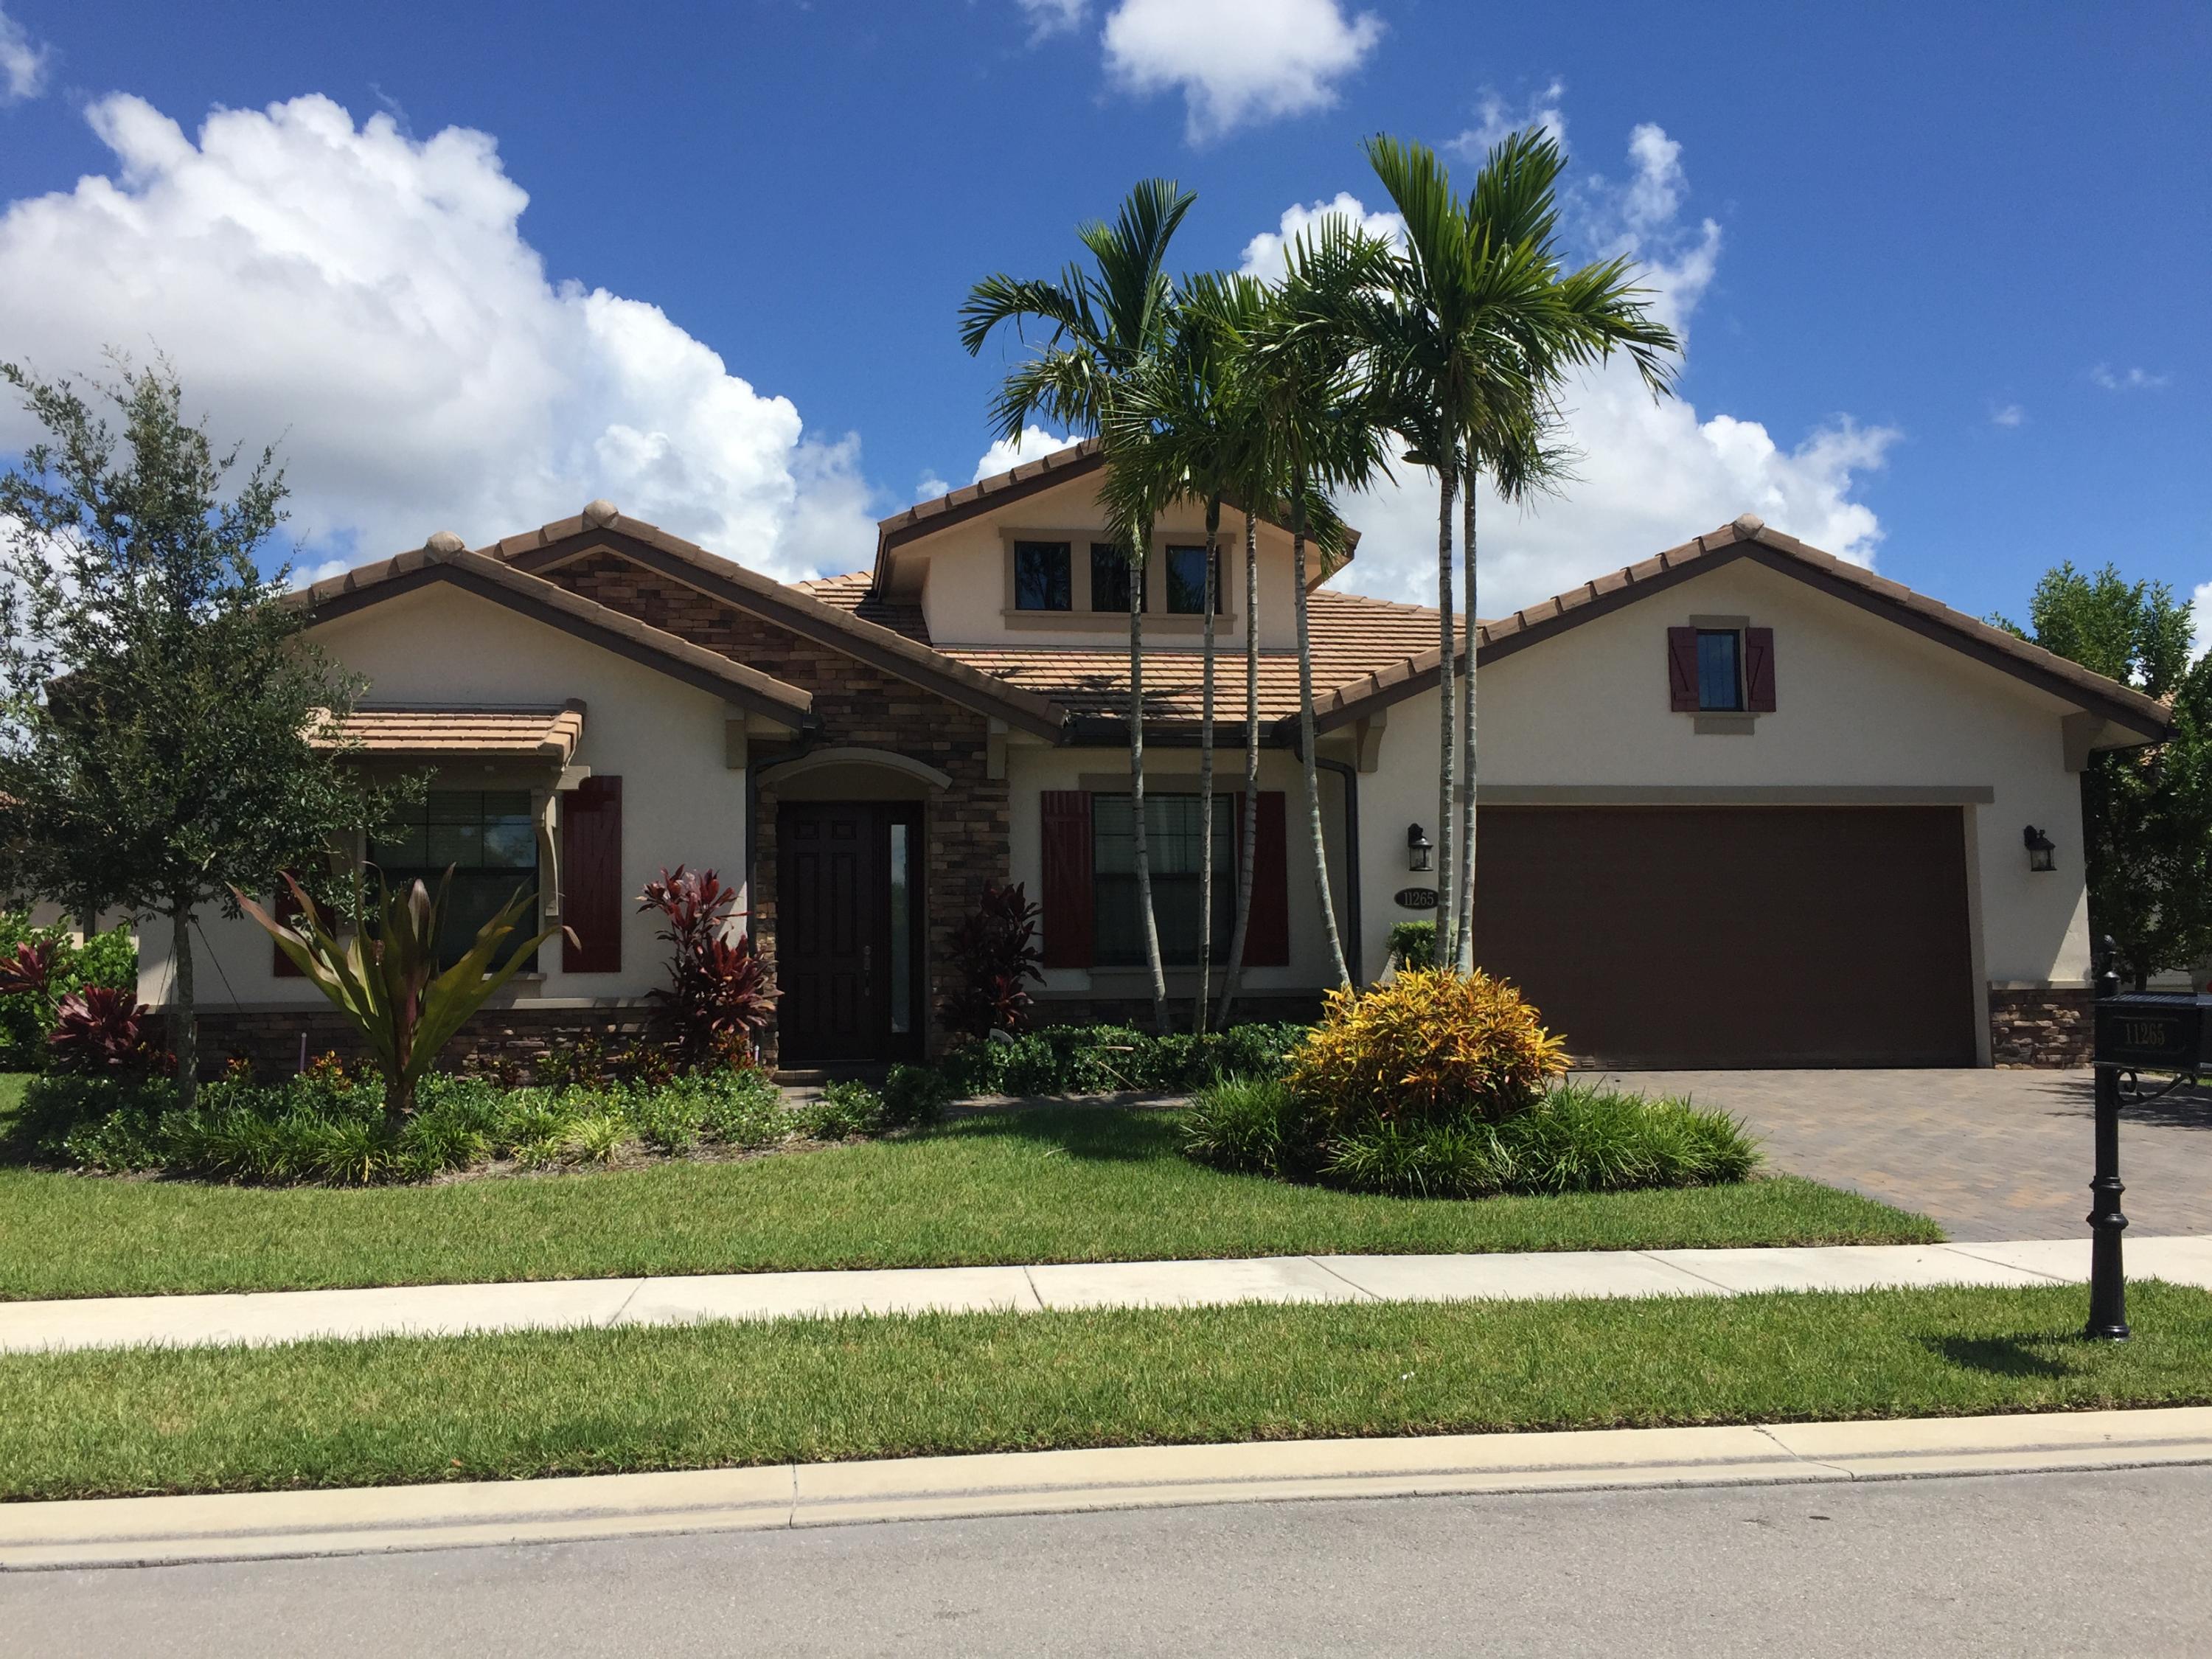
1205	774
1466	957
1234	974
1306	730
1447	812
1139	848
184	1016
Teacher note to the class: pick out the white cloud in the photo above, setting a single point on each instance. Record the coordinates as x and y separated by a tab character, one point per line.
369	299
1051	17
1007	454
2008	415
23	63
1493	121
1267	254
1648	475
2200	620
1237	61
2133	380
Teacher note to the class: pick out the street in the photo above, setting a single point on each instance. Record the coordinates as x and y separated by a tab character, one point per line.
2111	1562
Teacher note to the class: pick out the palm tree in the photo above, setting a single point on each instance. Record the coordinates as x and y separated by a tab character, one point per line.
1100	324
1181	430
1309	365
1482	330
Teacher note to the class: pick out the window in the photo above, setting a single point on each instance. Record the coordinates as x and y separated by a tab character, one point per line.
1171	836
488	837
1109	579
1186	573
1720	670
1041	576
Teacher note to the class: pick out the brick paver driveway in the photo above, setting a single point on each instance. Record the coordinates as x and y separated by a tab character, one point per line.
1989	1154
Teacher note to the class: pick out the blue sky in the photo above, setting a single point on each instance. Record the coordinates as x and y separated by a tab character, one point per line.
1940	279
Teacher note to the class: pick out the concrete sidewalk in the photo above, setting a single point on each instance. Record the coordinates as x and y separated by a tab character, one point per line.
562	1304
119	1532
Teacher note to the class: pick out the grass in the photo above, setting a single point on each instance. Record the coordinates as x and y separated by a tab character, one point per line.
1051	1184
492	1407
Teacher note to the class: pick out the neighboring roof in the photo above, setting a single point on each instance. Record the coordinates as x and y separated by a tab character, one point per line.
444	559
855	595
546	733
1748	537
1353	636
788	606
1029	478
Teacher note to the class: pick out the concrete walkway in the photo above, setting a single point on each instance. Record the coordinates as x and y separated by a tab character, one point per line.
123	1532
568	1305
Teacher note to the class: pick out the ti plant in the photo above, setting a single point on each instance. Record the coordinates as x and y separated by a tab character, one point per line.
386	979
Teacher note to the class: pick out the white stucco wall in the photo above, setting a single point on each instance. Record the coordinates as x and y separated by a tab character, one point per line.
1860	703
683	803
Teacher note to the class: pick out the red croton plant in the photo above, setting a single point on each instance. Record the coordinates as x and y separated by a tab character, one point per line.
720	991
98	1031
997	956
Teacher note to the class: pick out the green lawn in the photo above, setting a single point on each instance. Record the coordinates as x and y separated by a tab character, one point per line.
1067	1184
405	1410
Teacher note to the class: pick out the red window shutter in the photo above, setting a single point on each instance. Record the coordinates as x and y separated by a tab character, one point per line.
1067	918
1759	670
1682	670
1267	934
590	876
285	908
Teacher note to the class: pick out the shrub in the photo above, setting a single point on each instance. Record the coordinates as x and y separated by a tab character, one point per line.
1251	1126
101	1031
1413	945
1055	1060
914	1094
39	966
841	1111
1430	1046
717	990
996	955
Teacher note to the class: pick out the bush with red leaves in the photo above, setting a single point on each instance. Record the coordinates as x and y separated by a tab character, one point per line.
719	993
100	1032
997	954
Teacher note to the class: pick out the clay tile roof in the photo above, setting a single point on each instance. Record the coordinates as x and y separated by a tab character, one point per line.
548	733
855	594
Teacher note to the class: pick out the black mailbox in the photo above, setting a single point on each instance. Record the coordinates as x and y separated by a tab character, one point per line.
2154	1031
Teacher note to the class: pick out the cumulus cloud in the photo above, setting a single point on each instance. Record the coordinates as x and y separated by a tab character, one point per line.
1007	454
1647	475
1494	120
1267	254
369	299
2132	379
1050	17
2008	415
2200	619
23	63
1238	61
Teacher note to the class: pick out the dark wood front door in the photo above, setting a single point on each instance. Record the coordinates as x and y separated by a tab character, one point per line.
849	932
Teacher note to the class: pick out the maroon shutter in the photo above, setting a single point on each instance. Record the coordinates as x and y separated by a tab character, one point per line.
1759	670
1067	917
1267	934
1682	669
285	908
590	876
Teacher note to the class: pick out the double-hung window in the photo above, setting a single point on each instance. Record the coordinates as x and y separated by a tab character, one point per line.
1041	579
489	839
1720	670
1174	850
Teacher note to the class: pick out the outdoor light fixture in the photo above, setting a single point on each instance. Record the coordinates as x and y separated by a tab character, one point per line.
2039	848
1418	849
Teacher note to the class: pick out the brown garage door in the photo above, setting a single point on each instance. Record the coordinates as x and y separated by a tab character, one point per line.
1734	936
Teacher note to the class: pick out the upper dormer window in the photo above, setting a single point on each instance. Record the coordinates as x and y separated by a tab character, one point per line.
1186	582
1723	667
1109	579
1720	670
1042	580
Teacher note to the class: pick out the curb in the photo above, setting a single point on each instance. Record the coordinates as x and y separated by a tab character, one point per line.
378	1520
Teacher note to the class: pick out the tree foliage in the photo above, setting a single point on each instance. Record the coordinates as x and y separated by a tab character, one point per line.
2146	812
158	701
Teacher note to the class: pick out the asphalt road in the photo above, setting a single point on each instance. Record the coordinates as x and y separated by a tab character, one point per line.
2051	1564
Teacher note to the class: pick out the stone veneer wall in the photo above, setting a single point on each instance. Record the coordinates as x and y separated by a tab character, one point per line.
270	1038
966	828
2049	1026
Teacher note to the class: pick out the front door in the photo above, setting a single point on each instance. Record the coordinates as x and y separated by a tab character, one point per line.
847	934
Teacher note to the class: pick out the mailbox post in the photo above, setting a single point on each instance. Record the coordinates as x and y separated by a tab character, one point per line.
2138	1032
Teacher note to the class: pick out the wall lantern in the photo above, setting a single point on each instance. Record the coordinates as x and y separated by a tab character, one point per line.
1418	849
2039	848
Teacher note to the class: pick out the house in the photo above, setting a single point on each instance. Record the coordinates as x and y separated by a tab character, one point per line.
1742	803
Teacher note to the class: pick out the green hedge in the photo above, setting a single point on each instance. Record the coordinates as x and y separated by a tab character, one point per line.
109	959
1083	1059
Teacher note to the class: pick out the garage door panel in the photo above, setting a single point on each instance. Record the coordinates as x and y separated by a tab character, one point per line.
1744	936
